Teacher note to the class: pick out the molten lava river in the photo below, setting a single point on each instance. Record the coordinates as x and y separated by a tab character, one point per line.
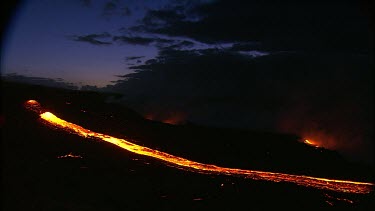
307	181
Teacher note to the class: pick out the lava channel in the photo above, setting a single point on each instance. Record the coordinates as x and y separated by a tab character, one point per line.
302	180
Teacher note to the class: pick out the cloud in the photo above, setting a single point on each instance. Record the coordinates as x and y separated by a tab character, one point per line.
131	58
254	53
181	44
246	46
134	40
288	25
50	82
155	17
97	39
138	40
115	8
92	38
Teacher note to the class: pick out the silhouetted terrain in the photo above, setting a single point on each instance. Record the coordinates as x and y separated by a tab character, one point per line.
323	96
105	177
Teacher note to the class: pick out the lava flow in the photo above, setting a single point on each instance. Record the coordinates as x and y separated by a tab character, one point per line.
307	181
309	142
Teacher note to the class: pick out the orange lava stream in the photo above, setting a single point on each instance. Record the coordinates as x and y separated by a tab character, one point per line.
307	181
309	142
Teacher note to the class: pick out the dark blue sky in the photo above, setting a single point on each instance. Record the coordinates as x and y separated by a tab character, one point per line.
37	43
42	39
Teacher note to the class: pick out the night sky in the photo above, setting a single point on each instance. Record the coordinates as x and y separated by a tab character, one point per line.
84	42
89	42
292	66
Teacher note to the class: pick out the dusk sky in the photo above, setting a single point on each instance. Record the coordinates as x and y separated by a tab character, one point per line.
76	40
41	40
87	42
303	67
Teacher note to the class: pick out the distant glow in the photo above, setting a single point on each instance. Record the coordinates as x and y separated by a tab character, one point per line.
319	183
172	118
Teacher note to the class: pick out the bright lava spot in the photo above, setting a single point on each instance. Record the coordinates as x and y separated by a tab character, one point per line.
309	142
70	155
48	115
33	105
32	102
307	181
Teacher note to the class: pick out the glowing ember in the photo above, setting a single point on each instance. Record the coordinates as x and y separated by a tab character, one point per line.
70	155
332	198
320	183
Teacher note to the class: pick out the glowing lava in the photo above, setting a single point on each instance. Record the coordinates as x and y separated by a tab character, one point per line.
33	105
307	181
309	142
70	155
